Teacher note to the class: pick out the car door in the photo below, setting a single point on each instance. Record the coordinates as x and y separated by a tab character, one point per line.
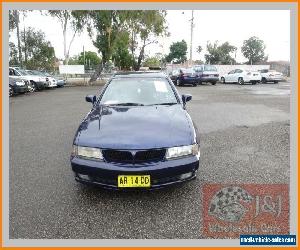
229	76
236	75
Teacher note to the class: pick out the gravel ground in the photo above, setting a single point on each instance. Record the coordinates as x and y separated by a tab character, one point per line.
244	139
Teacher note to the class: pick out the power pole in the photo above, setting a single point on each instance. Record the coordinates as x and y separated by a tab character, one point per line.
83	56
191	44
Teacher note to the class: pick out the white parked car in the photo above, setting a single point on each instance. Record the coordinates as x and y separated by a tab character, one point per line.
37	82
241	76
269	75
50	81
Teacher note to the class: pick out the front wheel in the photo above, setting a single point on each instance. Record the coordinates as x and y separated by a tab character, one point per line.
178	82
263	80
213	83
223	80
11	91
195	84
32	88
241	81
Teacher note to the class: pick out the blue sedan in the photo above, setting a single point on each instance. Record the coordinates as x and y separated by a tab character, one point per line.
184	76
138	134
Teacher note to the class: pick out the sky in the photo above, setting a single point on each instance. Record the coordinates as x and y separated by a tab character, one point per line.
234	26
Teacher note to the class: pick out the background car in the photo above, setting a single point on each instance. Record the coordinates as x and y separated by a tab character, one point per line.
50	81
17	86
184	76
60	82
241	76
207	73
37	82
270	75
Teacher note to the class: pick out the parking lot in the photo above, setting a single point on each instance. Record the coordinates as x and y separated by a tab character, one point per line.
244	139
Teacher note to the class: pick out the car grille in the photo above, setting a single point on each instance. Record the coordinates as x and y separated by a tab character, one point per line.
143	156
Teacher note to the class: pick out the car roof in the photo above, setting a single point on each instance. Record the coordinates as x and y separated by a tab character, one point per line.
139	74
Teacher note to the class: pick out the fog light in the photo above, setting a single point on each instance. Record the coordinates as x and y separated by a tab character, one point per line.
84	177
186	175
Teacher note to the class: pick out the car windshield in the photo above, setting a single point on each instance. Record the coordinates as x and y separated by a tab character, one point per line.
34	72
138	92
23	72
198	69
187	70
209	68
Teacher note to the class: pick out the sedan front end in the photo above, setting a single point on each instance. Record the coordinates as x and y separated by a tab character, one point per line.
162	167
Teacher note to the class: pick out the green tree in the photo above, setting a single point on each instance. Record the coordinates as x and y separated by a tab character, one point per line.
254	50
152	62
14	22
13	54
70	19
40	52
220	54
91	59
178	51
73	60
121	55
144	26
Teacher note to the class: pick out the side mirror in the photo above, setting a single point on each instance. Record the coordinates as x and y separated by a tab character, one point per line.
186	98
91	98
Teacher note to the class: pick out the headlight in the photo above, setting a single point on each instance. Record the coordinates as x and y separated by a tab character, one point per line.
182	151
20	83
87	152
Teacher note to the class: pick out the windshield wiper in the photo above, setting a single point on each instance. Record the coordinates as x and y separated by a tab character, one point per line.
127	104
165	103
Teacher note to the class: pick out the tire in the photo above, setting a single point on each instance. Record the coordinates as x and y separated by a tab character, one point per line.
253	83
263	80
213	83
223	80
178	82
275	81
240	81
32	88
11	91
195	84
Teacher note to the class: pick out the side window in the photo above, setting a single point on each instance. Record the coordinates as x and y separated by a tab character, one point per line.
238	71
231	72
17	73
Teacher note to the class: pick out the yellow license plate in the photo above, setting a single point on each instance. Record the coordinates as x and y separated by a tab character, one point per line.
125	181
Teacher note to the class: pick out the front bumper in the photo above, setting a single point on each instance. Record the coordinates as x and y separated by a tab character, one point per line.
277	79
189	80
162	173
209	79
252	79
20	89
52	85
